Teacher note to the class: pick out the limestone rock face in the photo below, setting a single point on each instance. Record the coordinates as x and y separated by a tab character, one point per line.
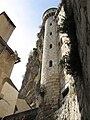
31	77
81	11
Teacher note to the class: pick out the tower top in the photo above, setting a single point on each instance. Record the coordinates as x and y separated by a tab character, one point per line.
49	12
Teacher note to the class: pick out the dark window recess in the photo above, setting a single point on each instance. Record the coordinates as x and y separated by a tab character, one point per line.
61	41
50	46
50	63
59	44
16	109
65	92
50	33
50	24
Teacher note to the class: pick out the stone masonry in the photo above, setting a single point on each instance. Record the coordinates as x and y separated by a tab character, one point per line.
7	56
64	63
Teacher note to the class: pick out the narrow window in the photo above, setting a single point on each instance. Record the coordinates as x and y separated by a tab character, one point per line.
59	44
50	46
65	92
50	33
50	63
61	41
50	24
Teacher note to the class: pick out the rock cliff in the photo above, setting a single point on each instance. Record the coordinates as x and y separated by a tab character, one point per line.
32	75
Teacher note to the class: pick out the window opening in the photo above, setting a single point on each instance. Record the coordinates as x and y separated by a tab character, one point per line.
50	24
50	46
50	63
65	92
59	44
50	33
61	41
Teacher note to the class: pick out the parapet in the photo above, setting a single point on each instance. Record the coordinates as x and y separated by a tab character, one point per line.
49	12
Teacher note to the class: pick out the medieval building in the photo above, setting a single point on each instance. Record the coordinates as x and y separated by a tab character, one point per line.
56	84
7	56
9	98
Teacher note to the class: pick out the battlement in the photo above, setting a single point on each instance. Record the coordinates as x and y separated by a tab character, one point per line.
49	12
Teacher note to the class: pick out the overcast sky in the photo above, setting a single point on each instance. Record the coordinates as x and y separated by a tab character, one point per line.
27	16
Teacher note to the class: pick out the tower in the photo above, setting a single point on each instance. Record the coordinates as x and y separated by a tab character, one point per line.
49	74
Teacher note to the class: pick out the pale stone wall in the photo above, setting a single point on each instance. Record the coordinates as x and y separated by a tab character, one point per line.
6	26
21	105
69	106
7	104
81	10
7	62
7	56
49	75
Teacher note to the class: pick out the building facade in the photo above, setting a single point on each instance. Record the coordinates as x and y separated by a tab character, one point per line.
9	98
63	83
7	56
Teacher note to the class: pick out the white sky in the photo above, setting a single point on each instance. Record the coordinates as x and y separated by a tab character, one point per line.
26	15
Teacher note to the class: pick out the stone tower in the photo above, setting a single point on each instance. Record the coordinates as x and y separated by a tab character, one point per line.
49	74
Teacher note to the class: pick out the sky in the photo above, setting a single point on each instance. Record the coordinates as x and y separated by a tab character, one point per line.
27	17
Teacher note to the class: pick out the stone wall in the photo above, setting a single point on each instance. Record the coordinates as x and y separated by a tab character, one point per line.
73	51
81	10
49	73
7	60
8	101
68	107
7	56
21	105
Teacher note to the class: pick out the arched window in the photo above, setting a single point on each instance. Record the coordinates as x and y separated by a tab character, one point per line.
50	33
50	46
50	63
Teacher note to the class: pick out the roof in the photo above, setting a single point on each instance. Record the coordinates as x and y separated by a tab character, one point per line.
3	13
11	83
